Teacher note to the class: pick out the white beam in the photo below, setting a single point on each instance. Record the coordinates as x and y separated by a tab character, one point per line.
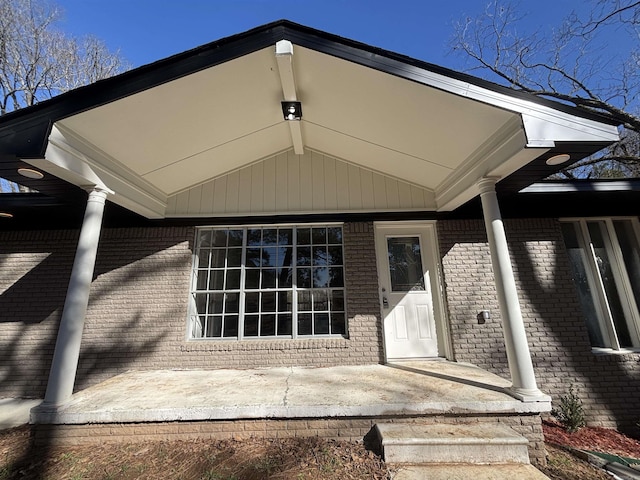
284	58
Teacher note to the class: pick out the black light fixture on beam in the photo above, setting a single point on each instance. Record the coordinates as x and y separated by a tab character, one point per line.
292	110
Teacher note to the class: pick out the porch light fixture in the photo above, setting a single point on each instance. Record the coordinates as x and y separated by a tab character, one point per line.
292	110
483	316
30	173
558	159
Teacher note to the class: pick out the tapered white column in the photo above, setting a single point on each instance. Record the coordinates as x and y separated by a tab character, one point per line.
67	352
523	378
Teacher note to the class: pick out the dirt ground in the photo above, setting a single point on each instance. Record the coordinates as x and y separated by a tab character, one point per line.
253	459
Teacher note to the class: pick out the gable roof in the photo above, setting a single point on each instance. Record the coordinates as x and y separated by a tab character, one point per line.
161	129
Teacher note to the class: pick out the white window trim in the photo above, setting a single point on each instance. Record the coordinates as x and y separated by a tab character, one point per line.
621	279
192	310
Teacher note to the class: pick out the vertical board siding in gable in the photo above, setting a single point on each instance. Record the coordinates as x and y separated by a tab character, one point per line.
298	183
282	180
257	186
306	183
319	181
269	191
207	198
380	191
245	190
219	195
393	200
233	187
330	186
366	182
293	181
342	185
195	199
355	188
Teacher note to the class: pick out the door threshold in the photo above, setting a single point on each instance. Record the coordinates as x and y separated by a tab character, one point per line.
416	359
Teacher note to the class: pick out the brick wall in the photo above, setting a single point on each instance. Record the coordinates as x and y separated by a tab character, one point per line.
352	429
138	309
609	385
138	305
34	272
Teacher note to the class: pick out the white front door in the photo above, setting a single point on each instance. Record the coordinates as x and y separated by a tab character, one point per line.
406	270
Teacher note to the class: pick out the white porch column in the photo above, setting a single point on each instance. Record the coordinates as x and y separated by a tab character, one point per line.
65	357
523	378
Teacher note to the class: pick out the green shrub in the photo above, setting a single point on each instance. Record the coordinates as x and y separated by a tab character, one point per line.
570	412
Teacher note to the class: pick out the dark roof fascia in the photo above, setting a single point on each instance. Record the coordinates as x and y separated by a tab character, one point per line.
25	131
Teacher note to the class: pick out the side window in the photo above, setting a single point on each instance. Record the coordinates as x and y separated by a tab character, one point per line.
605	263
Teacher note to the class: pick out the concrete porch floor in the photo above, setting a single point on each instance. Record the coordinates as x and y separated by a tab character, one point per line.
397	389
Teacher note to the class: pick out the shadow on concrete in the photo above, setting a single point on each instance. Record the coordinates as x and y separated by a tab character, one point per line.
449	378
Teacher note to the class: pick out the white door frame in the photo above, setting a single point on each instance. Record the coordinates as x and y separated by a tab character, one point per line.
432	260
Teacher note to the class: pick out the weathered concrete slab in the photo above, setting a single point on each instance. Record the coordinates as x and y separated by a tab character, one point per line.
435	387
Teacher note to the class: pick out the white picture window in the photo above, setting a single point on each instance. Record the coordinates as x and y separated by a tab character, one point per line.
605	262
276	281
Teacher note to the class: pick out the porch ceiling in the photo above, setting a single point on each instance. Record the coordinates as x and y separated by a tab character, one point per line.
202	126
176	124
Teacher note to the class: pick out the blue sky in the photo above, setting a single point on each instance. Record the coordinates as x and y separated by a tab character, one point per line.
148	30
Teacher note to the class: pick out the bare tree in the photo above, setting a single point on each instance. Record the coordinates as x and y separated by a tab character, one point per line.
39	61
590	61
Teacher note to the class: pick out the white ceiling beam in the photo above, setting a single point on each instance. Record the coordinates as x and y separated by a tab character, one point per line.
284	58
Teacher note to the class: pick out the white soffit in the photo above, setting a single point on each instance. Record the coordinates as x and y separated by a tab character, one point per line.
387	123
432	131
189	130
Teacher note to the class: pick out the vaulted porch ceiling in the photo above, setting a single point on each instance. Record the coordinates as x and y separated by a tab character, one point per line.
378	112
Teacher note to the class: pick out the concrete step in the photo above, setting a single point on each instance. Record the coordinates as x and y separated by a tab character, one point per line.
511	471
405	443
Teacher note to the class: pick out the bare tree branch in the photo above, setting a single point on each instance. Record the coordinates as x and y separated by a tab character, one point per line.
576	63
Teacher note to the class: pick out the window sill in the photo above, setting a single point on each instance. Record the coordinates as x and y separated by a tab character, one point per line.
622	354
265	345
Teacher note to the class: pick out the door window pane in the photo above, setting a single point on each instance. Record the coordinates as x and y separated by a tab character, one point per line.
405	264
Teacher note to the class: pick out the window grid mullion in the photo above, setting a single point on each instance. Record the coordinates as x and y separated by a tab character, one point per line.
241	296
294	284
